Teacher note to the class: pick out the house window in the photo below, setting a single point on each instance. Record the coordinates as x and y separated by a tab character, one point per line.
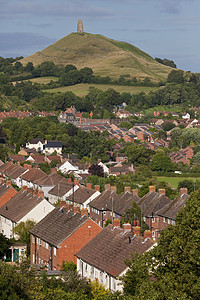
153	219
169	221
54	251
92	272
153	233
104	212
164	220
46	245
39	241
33	258
114	285
173	222
86	268
101	276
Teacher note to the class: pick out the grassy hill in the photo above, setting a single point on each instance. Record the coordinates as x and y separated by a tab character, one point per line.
82	89
105	56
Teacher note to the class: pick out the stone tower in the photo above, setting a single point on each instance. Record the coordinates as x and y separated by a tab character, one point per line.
80	26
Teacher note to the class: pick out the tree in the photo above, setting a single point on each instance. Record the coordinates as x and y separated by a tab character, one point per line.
161	162
167	126
96	169
22	230
4	244
137	154
175	76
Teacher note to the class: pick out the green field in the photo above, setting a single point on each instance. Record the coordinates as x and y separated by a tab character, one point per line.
173	181
43	80
82	89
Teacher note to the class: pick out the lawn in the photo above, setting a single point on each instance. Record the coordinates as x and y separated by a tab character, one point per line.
82	89
173	181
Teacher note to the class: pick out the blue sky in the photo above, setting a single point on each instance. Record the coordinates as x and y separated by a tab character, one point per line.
162	28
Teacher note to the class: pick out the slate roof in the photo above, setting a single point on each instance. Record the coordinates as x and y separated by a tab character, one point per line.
58	225
108	250
171	209
53	144
104	200
19	206
52	179
152	202
60	189
82	194
37	140
120	203
33	174
11	170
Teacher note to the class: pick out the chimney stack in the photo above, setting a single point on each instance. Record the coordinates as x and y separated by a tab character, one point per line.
127	227
40	194
28	167
161	191
88	185
107	186
8	183
63	203
183	191
76	182
152	188
69	180
84	211
76	209
136	230
127	189
135	192
116	223
97	188
147	234
113	188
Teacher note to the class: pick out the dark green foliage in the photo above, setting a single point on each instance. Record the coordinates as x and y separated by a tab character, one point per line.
175	76
137	154
69	266
4	244
96	169
126	125
45	167
161	163
189	184
167	126
166	62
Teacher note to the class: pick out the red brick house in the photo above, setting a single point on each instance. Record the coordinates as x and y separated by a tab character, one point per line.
6	192
110	205
159	211
58	236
